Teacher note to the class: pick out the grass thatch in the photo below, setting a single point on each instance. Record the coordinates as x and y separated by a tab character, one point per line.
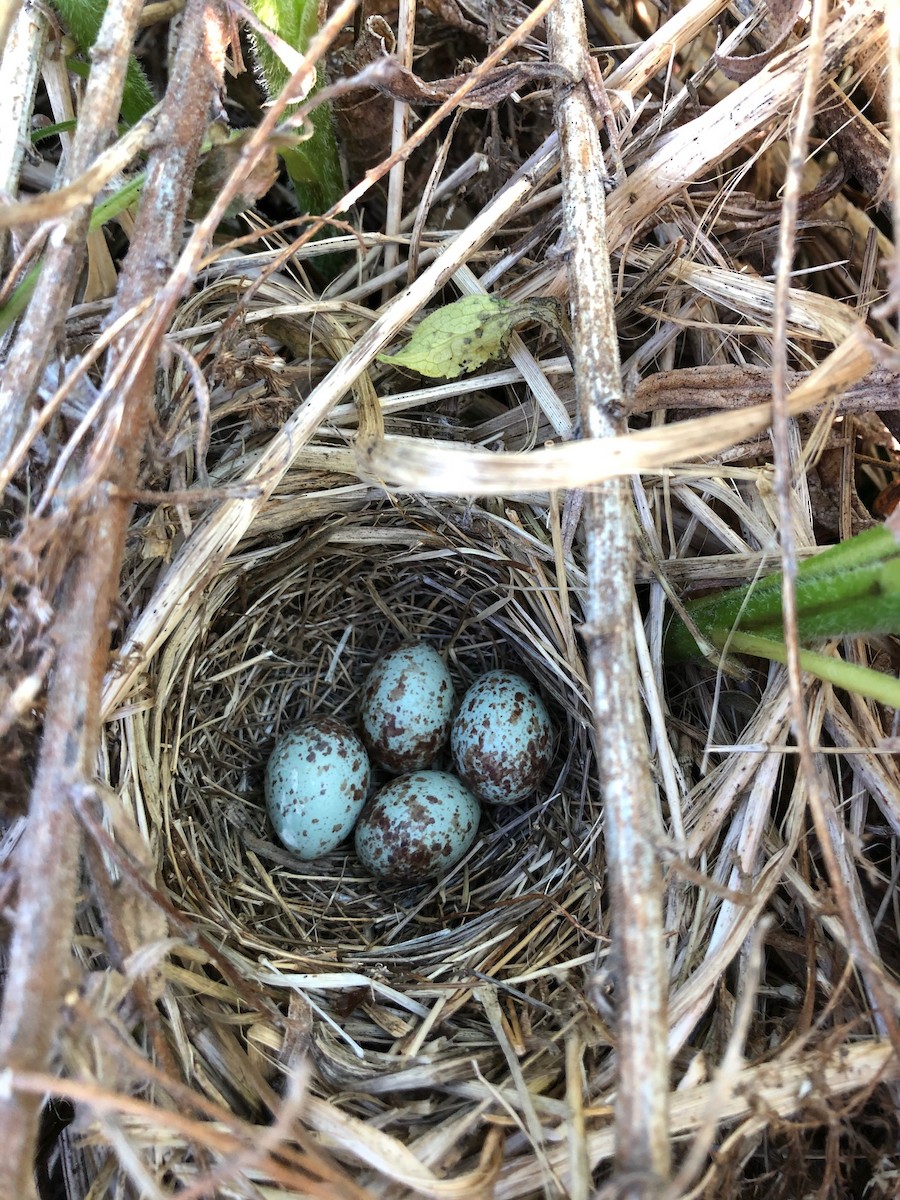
214	464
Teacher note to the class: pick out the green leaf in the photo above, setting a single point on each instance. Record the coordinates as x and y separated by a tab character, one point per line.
121	199
464	335
19	297
313	163
49	131
81	19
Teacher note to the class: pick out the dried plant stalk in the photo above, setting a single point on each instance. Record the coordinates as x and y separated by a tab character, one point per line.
49	857
212	543
64	256
630	808
708	138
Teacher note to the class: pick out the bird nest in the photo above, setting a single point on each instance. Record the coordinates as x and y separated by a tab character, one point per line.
291	634
228	1021
422	1005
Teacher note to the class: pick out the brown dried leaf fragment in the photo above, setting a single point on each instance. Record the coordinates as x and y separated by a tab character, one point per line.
497	84
362	117
450	12
740	68
861	146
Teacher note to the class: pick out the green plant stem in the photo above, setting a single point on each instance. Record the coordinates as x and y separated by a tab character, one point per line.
861	680
849	589
313	165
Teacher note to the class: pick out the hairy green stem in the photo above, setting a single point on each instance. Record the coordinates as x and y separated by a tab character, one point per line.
852	589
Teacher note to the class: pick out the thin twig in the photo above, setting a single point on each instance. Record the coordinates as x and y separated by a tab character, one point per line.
64	255
892	303
49	855
406	37
20	64
642	1146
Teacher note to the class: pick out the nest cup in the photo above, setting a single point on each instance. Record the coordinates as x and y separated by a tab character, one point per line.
291	630
294	637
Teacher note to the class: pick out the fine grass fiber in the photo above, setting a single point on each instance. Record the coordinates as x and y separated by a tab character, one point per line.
215	1018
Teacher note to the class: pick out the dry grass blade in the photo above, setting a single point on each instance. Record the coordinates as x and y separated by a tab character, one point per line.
641	961
747	111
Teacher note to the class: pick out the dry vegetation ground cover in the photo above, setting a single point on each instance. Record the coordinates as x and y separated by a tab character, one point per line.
673	971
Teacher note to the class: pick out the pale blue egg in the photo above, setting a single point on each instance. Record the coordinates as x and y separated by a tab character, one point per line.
407	708
418	826
316	783
502	738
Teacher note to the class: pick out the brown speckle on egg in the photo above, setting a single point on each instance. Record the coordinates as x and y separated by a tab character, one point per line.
416	827
502	739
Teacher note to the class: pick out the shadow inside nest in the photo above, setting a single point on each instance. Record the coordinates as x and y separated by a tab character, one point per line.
292	632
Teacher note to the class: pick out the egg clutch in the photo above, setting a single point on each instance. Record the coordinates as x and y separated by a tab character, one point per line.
318	777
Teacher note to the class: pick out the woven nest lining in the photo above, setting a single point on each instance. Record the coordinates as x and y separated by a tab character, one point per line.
291	630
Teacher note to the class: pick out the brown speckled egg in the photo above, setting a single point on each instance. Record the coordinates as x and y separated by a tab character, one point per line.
316	783
407	707
502	739
417	826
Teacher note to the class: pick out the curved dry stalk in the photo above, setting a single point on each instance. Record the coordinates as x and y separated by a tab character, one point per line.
448	468
51	206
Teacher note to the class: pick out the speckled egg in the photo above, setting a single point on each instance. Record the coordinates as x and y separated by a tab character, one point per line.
407	707
417	826
502	738
315	785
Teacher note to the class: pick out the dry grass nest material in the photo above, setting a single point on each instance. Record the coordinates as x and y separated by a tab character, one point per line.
291	634
250	1026
415	1001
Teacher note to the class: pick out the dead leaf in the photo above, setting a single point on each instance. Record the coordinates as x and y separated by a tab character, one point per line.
362	117
741	68
388	77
